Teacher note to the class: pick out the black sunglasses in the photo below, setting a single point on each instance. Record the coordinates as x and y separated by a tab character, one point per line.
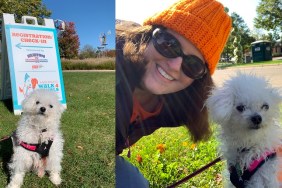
168	46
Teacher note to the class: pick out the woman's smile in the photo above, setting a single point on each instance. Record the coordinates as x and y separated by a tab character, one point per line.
164	73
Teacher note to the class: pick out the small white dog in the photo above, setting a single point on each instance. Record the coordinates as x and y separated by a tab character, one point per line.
247	109
38	141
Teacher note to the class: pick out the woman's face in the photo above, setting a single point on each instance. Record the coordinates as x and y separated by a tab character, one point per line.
164	75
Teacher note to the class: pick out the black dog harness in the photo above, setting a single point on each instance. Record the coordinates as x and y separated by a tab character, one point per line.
238	178
42	149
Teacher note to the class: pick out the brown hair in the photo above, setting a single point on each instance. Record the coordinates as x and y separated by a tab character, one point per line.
184	107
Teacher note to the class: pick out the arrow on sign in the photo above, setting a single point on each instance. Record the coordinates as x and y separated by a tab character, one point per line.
22	46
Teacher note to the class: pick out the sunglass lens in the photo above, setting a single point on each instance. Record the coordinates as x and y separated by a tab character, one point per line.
193	66
167	45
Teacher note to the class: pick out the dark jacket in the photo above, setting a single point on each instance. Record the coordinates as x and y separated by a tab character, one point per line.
126	81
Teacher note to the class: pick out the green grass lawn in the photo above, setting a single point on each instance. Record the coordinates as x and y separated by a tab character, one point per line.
168	156
88	127
223	65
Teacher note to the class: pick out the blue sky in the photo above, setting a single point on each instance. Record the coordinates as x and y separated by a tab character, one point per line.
91	18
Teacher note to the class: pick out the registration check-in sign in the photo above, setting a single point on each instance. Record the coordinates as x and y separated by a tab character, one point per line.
30	59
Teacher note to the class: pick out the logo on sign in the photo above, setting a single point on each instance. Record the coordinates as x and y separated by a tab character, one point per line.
32	83
36	58
29	85
49	85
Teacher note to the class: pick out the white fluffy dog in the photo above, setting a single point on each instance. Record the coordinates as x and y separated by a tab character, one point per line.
247	108
38	141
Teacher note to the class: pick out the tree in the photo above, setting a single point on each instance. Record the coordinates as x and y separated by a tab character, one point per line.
25	8
238	51
269	15
87	52
242	32
69	41
110	53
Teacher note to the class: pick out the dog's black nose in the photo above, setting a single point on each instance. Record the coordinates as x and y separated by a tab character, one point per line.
256	119
42	109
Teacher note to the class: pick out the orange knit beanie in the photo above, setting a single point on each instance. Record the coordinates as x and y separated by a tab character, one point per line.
203	22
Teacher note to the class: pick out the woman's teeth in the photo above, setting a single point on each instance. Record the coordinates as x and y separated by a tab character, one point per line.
164	74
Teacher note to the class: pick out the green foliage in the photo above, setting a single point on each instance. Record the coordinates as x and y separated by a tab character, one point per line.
87	52
25	8
168	156
243	31
69	41
88	127
238	54
269	15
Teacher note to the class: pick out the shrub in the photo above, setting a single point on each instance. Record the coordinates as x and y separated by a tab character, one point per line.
89	64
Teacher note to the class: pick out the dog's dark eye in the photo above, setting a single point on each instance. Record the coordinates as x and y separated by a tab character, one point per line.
265	107
37	102
51	106
241	108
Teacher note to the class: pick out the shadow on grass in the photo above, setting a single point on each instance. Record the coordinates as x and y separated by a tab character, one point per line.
8	104
6	151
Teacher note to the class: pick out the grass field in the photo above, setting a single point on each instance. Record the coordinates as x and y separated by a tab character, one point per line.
88	127
223	65
168	156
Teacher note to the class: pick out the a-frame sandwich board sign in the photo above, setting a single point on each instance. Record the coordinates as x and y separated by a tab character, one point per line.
30	59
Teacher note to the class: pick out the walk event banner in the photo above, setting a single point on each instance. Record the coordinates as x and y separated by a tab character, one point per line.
30	59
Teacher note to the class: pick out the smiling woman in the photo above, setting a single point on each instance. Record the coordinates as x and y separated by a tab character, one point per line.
163	75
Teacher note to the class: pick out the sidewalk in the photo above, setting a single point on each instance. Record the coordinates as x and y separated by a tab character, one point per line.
277	58
88	70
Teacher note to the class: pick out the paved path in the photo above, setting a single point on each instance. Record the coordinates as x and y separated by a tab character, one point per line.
88	70
272	72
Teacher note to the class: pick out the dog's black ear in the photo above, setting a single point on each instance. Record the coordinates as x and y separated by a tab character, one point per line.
220	104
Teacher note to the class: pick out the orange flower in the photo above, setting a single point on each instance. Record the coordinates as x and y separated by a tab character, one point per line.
193	146
161	147
139	158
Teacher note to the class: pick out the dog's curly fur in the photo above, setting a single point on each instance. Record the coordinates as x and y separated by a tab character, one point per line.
41	111
247	109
